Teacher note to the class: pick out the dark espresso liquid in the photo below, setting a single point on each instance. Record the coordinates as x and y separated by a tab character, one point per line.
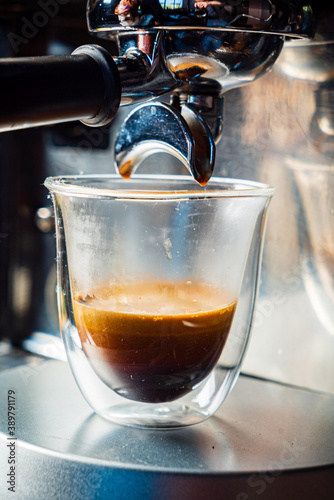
153	342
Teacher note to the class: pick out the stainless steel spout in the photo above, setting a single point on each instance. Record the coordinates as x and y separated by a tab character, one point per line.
158	127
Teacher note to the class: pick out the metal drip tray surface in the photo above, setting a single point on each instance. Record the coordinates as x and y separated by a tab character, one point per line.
263	438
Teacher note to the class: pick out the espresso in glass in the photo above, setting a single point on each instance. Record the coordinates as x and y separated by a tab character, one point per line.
153	342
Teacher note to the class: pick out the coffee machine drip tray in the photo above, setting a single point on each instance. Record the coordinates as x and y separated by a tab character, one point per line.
266	441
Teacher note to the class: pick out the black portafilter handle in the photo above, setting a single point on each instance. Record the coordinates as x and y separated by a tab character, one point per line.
36	91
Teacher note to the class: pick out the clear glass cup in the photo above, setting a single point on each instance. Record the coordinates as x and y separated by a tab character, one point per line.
156	282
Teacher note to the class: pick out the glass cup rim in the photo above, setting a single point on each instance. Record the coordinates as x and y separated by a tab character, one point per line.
87	186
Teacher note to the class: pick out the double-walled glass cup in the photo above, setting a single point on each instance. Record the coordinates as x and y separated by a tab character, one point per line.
157	279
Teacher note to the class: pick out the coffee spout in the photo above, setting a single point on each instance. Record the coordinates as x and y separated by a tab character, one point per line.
158	127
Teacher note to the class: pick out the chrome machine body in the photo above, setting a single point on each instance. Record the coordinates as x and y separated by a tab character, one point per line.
198	51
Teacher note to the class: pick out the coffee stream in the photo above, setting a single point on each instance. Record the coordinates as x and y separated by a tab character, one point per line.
153	342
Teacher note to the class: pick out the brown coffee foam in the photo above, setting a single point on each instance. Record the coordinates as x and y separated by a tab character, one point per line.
153	342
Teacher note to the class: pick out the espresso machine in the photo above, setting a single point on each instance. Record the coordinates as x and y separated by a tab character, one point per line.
240	89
